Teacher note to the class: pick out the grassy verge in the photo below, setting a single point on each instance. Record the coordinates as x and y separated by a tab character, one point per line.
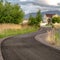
11	32
57	38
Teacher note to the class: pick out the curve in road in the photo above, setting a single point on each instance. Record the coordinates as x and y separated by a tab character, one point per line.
25	47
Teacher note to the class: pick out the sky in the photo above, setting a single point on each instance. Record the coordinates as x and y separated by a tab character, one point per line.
53	2
29	7
50	2
35	8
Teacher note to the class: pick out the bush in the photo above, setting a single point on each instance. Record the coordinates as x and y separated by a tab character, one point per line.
35	20
10	13
31	20
38	17
56	20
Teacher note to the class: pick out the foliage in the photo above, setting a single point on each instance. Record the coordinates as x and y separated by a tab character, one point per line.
56	20
31	20
38	17
35	20
57	36
10	13
1	0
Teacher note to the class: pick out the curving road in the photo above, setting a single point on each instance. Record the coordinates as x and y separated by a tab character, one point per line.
25	47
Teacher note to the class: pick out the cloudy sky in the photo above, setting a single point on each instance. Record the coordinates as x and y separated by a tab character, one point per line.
29	7
50	2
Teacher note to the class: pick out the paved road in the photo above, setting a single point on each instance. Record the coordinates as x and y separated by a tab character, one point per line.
25	47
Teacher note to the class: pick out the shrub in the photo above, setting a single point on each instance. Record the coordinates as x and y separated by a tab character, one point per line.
38	17
31	20
10	13
35	20
56	19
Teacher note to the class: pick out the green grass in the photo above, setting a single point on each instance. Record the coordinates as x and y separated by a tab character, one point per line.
10	32
48	25
57	38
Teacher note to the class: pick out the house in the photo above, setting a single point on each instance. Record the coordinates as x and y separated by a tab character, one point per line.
49	14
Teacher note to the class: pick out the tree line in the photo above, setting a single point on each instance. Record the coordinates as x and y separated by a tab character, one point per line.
10	13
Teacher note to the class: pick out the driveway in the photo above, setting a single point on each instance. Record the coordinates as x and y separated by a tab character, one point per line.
25	47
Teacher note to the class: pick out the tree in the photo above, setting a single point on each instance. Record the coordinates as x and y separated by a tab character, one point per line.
35	20
39	17
10	13
56	20
1	0
31	20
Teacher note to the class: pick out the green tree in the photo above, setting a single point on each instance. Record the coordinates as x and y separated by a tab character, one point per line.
35	20
56	20
39	17
10	13
31	20
1	0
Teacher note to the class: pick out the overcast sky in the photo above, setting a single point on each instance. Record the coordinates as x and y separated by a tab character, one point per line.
28	8
50	2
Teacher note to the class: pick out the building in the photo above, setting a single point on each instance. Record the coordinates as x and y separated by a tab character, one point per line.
49	14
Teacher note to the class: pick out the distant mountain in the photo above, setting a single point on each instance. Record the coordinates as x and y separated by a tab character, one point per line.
33	14
52	12
43	13
28	15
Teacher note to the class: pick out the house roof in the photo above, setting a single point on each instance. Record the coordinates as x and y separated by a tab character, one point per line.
49	15
52	12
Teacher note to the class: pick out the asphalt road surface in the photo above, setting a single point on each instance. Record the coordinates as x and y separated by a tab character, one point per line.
25	47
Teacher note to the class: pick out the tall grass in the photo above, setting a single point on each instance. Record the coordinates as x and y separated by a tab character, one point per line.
11	32
57	38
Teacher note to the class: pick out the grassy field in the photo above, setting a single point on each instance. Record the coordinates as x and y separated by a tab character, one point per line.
9	26
54	35
13	29
57	37
57	33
